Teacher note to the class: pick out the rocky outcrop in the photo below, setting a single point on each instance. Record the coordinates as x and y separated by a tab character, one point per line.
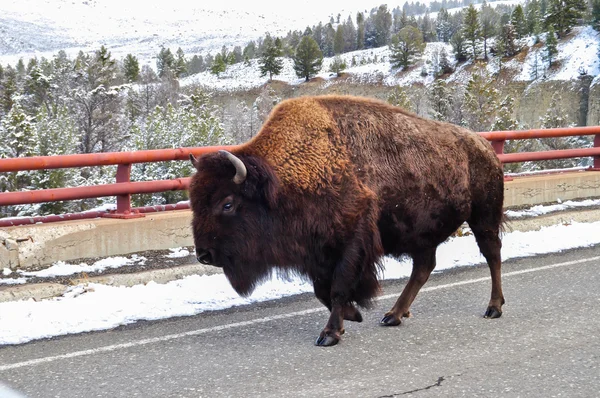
593	110
537	96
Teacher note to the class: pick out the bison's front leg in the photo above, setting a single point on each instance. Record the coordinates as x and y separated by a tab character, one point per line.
423	265
322	289
354	279
337	301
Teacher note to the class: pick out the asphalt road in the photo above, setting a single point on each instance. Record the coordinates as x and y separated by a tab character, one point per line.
546	344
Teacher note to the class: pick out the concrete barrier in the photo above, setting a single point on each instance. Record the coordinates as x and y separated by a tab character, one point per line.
35	246
550	188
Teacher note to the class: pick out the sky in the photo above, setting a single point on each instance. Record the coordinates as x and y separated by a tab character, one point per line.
89	307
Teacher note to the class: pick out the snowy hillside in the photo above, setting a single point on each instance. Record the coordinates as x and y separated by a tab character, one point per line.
30	28
577	53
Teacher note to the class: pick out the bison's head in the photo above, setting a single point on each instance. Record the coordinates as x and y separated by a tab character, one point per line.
232	199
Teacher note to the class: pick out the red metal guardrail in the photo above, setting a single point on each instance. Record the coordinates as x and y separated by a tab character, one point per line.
124	188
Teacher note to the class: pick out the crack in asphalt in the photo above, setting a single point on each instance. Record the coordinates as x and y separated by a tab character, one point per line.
436	384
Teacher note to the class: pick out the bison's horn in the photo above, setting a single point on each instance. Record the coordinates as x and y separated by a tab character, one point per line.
240	168
194	160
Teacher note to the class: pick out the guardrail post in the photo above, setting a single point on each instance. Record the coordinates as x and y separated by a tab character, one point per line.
596	165
499	149
124	201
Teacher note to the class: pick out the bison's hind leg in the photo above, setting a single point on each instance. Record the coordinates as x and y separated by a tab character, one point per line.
487	233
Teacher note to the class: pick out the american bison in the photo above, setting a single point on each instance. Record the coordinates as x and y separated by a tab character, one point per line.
333	183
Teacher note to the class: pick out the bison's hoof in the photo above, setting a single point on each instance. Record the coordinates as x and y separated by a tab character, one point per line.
492	312
327	340
390	320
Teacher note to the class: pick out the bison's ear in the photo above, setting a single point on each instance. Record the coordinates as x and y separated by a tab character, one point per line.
262	181
194	161
270	189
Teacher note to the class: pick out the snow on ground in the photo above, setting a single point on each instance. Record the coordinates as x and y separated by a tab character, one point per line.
89	307
369	66
61	268
178	252
540	210
576	55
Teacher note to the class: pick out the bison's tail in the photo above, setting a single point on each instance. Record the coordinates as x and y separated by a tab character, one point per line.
505	225
368	287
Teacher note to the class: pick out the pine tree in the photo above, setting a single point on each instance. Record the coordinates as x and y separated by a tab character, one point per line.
500	54
472	30
445	66
55	135
131	68
337	65
508	38
535	66
488	20
442	26
562	15
17	139
596	14
328	41
505	120
250	50
20	68
270	62
196	64
440	100
18	134
533	17
459	46
338	44
96	101
308	58
349	35
551	47
382	24
360	31
517	19
237	55
165	62
102	68
218	66
8	86
481	100
406	46
426	26
180	65
37	91
398	97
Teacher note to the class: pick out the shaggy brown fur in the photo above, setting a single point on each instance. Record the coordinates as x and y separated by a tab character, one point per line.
333	184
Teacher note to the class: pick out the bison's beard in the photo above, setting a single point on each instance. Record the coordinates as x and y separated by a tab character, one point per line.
244	280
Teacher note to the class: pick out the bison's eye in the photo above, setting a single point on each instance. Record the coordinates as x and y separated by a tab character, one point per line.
227	207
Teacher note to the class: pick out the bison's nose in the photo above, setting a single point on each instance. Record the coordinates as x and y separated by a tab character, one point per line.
204	257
